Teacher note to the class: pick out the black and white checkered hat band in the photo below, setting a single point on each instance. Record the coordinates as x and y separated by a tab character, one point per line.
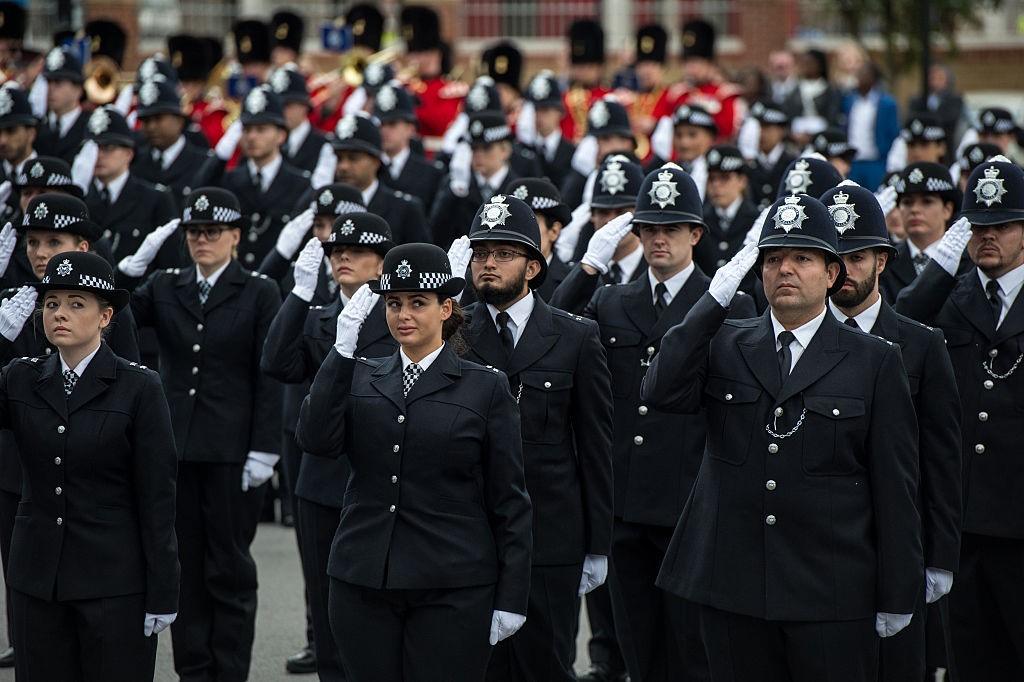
730	163
60	221
385	282
55	180
427	280
837	148
543	203
773	116
930	133
348	207
938	185
1002	125
696	118
371	238
95	282
225	215
497	133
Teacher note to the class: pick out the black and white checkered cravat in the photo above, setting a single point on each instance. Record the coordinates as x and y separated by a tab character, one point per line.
70	379
204	291
920	261
409	377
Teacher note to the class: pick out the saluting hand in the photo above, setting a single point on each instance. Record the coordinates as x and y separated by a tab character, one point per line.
351	319
228	142
754	233
8	240
307	269
726	281
604	242
5	191
661	138
887	200
951	246
290	239
135	265
460	169
459	255
16	310
504	625
565	245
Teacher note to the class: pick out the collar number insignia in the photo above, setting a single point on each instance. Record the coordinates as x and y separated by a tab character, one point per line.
790	216
663	191
495	213
844	215
989	189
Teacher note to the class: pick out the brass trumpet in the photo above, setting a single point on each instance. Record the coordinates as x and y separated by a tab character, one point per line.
350	66
103	79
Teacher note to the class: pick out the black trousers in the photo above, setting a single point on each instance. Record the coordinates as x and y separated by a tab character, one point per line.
317	525
542	650
987	609
291	456
216	523
8	510
89	640
603	646
659	632
412	635
745	649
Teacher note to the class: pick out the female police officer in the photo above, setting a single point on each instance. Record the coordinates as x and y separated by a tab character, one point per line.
94	566
434	540
211	321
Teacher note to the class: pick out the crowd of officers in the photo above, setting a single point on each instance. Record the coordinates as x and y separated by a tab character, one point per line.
653	349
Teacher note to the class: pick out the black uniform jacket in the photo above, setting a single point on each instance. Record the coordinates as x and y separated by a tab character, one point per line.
452	216
764	180
308	153
419	178
49	143
437	498
139	209
937	403
819	525
404	214
559	373
222	405
717	246
558	270
97	516
987	363
557	169
899	272
179	177
297	343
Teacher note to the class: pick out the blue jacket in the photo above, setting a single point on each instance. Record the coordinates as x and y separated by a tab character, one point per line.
887	120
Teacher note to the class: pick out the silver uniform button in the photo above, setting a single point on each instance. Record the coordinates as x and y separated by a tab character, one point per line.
650	350
988	383
980	449
392	509
638	440
770	485
57	460
195	370
770	519
835	412
49	350
394	479
773	448
191	391
728	396
199	327
721	262
778	411
252	237
723	246
992	353
135	232
642	410
61	429
395	448
60	521
611	340
58	490
983	416
255	217
196	348
249	258
767	188
401	419
547	384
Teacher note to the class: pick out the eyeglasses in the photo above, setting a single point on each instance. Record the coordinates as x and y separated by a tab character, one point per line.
212	234
500	255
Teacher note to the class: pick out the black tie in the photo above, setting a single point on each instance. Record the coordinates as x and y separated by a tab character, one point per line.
920	261
614	275
158	158
850	322
660	292
257	181
105	196
995	299
505	334
486	192
785	354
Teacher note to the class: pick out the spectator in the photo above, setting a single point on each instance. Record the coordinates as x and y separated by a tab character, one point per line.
873	123
820	100
943	102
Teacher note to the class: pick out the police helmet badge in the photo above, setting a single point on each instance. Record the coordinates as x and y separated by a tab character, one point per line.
495	212
599	114
148	93
613	178
799	179
844	214
477	98
279	80
6	103
55	59
916	176
326	197
791	215
521	193
64	269
386	98
37	170
256	101
202	203
404	270
347	227
99	121
663	191
347	127
990	189
41	211
540	88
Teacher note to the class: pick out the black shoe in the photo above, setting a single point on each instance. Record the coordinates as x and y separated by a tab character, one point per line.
302	663
7	658
599	672
288	521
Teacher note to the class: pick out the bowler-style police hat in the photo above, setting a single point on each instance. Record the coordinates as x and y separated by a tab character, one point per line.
923	128
800	221
977	153
47	172
808	176
82	271
487	127
508	219
858	219
617	183
417	267
834	143
359	229
337	198
724	158
542	196
927	178
668	196
211	206
694	115
60	213
768	113
996	121
995	193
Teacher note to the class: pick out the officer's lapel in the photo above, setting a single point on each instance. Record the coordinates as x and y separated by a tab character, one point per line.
441	374
970	300
374	328
228	284
124	205
759	354
187	291
329	319
537	338
387	379
482	337
1013	323
639	304
694	287
887	326
50	386
95	380
818	359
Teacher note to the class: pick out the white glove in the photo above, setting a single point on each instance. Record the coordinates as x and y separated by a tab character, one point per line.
888	624
455	132
565	245
887	200
84	165
123	103
460	169
355	102
323	173
661	138
37	96
584	159
896	159
504	625
135	265
259	467
726	281
307	269
351	319
526	124
604	242
5	191
459	255
228	142
937	584
748	138
15	311
951	246
155	623
290	239
699	173
595	572
754	233
8	240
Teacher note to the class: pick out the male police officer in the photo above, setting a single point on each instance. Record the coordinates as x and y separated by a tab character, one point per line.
981	313
800	539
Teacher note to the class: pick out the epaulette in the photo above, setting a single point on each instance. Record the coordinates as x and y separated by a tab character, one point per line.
257	274
316	307
567	314
493	369
742	324
173	271
135	364
404	195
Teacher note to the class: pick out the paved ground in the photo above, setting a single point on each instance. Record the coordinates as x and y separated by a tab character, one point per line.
280	621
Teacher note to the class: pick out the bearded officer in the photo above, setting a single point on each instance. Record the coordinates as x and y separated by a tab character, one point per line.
801	539
982	315
866	251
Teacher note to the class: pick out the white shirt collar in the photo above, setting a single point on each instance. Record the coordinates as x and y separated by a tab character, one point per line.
803	333
731	210
268	172
550	143
14	171
115	186
519	314
928	250
80	369
370	191
865	320
1009	287
772	157
397	163
673	284
212	279
630	263
495	182
425	363
170	155
66	120
296	136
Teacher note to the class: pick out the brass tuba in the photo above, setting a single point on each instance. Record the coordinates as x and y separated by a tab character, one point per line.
102	78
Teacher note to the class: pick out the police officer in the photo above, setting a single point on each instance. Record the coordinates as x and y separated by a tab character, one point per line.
298	341
211	321
728	213
925	139
773	158
560	379
801	540
554	149
693	133
94	564
981	314
434	542
407	171
302	147
807	175
834	145
18	131
866	251
62	132
608	124
552	215
357	144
